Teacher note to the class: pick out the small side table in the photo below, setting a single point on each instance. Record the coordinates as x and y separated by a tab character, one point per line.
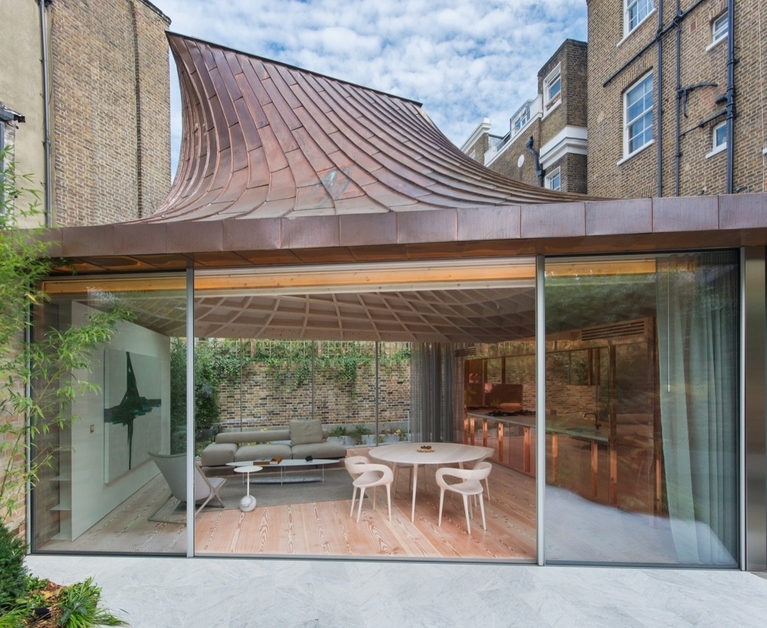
248	502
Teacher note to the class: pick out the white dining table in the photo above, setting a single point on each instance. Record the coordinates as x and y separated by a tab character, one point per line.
410	454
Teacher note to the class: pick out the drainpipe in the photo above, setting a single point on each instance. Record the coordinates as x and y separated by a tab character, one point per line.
678	122
730	93
659	101
46	117
539	171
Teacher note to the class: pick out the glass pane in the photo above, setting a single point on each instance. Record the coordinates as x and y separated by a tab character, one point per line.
642	410
375	360
104	490
720	135
555	86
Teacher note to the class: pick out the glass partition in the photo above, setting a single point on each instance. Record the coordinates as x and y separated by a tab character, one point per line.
109	483
642	409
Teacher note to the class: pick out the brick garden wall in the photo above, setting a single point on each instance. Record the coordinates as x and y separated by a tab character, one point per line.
264	400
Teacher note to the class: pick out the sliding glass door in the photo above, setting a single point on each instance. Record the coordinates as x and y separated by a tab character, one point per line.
642	409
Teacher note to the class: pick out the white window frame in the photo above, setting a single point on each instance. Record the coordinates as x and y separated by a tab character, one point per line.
520	121
553	77
627	5
718	148
718	32
548	182
627	124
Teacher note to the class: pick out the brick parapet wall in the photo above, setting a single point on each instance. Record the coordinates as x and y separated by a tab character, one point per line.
478	149
111	123
507	163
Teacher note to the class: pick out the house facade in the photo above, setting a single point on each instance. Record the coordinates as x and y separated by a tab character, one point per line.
689	75
547	138
628	334
95	135
608	356
676	99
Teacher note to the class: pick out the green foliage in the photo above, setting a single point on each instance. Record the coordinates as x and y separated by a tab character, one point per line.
24	607
50	365
215	361
338	431
359	431
289	364
13	574
75	606
177	395
79	604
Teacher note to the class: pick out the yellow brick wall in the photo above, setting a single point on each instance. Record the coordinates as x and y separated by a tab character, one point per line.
111	119
698	63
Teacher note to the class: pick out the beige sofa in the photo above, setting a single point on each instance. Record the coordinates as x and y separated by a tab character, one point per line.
299	440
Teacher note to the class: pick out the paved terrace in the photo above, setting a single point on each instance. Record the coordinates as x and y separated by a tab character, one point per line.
176	592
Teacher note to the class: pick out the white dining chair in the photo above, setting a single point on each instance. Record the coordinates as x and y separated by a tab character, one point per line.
373	476
470	485
355	465
489	451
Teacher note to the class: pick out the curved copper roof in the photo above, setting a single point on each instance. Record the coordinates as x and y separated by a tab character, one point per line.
263	139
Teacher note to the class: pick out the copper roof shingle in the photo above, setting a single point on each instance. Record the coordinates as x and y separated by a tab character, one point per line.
264	139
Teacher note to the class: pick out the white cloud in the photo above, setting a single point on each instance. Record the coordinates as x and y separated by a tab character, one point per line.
464	59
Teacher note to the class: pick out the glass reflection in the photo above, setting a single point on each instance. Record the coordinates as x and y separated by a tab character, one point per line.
103	492
642	380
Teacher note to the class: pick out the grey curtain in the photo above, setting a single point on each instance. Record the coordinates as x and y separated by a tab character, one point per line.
433	376
697	297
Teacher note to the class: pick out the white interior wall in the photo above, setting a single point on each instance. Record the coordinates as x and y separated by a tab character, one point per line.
92	498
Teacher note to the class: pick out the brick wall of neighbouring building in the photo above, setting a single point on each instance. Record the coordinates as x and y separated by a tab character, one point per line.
571	108
515	161
478	149
111	111
698	171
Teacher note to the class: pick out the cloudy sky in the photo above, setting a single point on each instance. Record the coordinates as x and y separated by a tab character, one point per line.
463	59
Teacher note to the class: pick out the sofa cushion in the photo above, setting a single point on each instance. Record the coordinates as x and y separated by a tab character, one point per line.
253	436
251	453
218	454
318	450
303	432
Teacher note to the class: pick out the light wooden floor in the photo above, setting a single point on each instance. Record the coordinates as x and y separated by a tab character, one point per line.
126	528
326	529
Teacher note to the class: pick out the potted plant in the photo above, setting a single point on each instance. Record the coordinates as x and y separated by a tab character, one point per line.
338	435
369	438
402	434
360	431
388	436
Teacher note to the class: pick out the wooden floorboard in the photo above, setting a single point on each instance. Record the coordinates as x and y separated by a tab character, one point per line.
326	529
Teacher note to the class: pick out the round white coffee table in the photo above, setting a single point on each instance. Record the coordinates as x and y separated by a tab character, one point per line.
248	502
